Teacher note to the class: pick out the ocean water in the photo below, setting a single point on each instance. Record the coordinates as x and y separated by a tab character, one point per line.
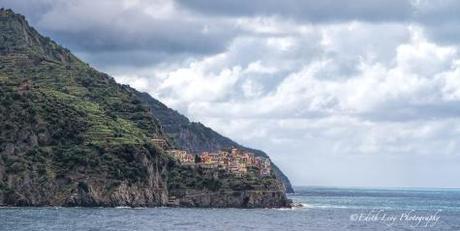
324	209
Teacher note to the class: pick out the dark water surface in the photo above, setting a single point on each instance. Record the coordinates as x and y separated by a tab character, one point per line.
324	209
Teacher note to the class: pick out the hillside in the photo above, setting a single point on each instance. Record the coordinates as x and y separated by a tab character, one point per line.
195	137
72	136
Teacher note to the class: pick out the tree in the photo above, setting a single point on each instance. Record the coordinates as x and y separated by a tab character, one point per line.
197	159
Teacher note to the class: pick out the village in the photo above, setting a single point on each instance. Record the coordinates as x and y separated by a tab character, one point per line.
235	161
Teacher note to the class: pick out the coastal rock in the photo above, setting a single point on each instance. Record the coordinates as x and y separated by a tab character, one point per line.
122	195
234	199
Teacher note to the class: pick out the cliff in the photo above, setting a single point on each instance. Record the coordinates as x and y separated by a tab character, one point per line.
72	136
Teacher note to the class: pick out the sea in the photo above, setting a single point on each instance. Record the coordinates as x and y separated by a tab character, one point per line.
322	208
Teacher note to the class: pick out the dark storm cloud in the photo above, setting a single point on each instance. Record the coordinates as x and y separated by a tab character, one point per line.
33	9
132	58
440	18
437	11
308	10
155	45
167	36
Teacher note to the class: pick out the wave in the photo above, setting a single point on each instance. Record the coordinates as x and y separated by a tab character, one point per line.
333	207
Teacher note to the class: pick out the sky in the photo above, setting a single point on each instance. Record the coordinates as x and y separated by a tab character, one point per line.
338	93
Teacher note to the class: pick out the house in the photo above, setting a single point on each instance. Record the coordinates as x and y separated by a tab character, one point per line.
182	156
258	162
206	158
209	160
223	159
266	168
242	168
235	153
247	158
189	159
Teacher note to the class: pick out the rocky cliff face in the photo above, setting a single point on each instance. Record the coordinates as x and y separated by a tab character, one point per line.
72	136
71	190
233	199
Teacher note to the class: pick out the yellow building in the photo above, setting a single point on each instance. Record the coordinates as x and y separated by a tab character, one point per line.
266	167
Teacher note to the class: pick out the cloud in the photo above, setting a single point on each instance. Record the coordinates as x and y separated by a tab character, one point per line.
408	77
135	26
308	10
437	11
439	18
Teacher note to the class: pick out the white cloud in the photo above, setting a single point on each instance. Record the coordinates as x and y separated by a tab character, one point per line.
413	78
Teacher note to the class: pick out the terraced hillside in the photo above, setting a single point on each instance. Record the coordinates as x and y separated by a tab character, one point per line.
72	136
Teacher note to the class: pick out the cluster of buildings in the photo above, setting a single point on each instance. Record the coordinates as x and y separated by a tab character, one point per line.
236	161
